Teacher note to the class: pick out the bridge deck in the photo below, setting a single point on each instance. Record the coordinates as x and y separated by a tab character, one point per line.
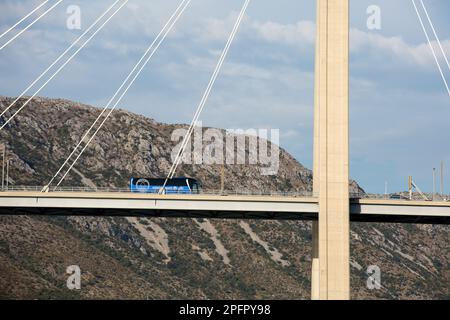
214	206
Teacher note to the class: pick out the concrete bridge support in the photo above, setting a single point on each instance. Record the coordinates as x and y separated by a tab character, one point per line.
331	248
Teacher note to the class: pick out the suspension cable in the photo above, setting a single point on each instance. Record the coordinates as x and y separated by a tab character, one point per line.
206	94
31	24
211	83
23	19
431	47
152	49
58	59
64	64
435	34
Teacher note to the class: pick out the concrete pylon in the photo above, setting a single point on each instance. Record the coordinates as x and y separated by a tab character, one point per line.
331	244
315	288
315	268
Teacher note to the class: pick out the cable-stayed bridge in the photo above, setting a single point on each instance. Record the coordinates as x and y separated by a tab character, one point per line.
330	205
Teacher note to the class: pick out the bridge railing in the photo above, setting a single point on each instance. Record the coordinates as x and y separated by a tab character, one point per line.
127	190
239	192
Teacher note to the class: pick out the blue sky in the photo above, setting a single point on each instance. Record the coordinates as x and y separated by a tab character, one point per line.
398	103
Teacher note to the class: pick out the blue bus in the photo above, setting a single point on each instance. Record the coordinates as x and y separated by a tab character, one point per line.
180	185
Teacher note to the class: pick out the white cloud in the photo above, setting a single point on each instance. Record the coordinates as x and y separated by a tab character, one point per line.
291	34
366	43
231	69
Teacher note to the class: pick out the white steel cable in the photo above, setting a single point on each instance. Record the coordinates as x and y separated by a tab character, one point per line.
116	93
213	79
155	46
206	93
204	98
431	47
123	94
23	19
58	59
65	63
31	24
435	34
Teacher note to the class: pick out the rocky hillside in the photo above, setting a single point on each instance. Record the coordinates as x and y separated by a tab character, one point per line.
140	258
